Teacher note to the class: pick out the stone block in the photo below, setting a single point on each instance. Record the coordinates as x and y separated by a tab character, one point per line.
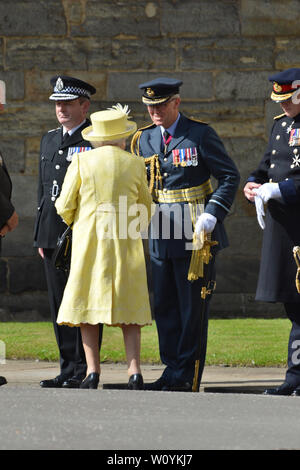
13	151
31	18
26	306
236	274
20	281
137	53
203	18
24	194
19	243
245	236
269	18
3	274
243	305
46	54
242	85
288	50
125	86
28	121
108	19
32	156
14	85
220	54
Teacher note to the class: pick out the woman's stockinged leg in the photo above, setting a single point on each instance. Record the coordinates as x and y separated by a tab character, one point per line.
132	341
90	341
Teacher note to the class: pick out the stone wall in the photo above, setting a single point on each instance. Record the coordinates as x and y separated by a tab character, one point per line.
224	50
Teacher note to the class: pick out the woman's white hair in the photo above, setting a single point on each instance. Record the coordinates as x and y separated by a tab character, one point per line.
118	143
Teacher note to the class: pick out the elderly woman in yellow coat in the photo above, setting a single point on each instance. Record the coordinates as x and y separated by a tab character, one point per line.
106	197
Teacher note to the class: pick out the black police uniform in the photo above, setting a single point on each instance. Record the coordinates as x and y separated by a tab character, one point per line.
194	153
281	164
55	157
6	208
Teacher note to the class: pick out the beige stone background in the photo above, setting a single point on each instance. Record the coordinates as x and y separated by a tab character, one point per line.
223	50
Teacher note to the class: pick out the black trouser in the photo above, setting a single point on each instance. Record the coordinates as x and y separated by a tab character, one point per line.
72	357
293	372
181	316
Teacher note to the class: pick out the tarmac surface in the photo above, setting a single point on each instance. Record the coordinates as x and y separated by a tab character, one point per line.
229	413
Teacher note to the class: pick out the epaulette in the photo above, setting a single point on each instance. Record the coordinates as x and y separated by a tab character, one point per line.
135	141
196	120
279	116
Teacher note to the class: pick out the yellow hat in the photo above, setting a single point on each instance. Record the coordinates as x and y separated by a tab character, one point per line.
111	124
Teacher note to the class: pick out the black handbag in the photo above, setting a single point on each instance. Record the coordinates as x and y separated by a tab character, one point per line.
61	257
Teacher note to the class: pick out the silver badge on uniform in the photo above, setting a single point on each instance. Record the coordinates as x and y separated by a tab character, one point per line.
59	85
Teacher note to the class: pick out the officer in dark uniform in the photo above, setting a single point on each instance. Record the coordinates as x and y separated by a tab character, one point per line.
181	154
8	216
72	101
276	181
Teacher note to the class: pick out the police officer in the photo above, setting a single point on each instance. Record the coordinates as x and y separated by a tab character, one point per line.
72	101
181	154
8	216
276	182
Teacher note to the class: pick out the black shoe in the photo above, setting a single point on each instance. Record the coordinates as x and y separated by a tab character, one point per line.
91	381
181	387
73	382
158	385
3	380
136	382
52	383
283	389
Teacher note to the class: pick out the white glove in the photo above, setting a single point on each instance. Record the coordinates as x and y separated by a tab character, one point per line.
268	191
260	211
205	222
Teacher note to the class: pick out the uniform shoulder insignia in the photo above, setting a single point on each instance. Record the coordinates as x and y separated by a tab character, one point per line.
146	127
52	130
196	120
135	142
279	116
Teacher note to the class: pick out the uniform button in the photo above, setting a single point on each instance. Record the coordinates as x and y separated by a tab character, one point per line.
273	152
270	180
165	190
283	124
165	159
165	175
278	137
54	182
273	164
292	166
53	198
286	179
295	150
57	167
60	152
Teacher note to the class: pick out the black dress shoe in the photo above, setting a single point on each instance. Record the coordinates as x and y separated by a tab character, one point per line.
73	382
158	385
136	382
181	387
52	383
283	389
91	381
3	380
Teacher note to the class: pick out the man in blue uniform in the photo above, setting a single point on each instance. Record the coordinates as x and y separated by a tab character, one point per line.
181	154
72	101
276	181
8	216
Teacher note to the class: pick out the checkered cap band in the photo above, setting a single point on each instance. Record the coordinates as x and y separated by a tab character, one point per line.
72	90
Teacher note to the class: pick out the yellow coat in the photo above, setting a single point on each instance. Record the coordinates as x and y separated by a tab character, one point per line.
107	281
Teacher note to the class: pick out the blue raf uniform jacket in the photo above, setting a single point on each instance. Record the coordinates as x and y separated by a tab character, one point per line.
194	154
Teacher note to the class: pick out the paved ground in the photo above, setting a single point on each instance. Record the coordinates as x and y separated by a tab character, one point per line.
229	413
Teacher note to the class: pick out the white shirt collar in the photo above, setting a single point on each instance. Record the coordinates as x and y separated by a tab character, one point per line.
74	128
